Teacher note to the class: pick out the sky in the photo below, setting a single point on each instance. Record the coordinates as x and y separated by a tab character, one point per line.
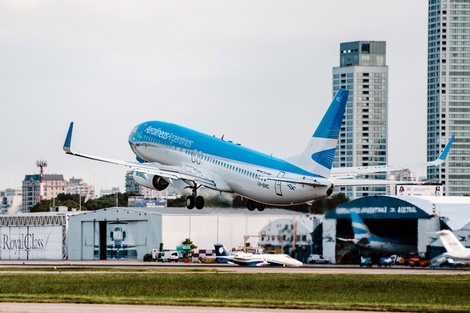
258	72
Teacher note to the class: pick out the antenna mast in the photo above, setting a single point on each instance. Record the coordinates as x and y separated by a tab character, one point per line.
41	164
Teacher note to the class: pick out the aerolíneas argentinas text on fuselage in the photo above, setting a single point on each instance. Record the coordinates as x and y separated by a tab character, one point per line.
166	151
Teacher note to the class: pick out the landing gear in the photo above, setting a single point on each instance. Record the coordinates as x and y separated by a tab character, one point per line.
199	202
194	200
190	202
253	205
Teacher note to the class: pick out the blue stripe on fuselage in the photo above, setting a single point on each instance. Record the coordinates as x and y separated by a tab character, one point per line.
185	138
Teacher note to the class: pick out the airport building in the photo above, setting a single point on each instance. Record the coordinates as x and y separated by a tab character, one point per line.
406	218
33	236
449	93
130	233
363	139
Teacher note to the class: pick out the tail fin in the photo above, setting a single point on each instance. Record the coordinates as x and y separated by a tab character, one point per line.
360	228
450	242
318	156
220	250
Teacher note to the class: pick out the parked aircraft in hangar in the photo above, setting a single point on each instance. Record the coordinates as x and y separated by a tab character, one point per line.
365	239
167	152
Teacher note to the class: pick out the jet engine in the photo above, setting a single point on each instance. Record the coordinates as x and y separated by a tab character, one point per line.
329	191
151	181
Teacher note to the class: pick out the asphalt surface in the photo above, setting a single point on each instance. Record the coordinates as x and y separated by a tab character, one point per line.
100	308
313	269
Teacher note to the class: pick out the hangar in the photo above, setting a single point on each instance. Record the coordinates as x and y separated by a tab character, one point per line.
400	217
130	233
33	236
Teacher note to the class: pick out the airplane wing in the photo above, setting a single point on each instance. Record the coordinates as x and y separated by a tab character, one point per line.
349	172
171	172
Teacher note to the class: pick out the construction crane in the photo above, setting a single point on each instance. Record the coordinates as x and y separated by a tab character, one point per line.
41	164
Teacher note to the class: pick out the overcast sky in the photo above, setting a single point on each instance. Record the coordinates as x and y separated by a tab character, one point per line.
258	72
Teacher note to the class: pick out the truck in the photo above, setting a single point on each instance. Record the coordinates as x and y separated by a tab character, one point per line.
162	256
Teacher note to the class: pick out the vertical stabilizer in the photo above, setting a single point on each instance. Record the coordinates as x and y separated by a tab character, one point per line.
220	250
318	156
360	228
450	242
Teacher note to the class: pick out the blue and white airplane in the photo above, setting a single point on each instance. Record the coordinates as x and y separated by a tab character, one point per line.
251	259
365	239
167	152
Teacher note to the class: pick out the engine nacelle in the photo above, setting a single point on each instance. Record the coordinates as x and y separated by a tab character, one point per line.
329	191
151	181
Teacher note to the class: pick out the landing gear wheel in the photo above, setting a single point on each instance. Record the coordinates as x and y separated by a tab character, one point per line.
194	199
260	206
251	205
199	202
190	202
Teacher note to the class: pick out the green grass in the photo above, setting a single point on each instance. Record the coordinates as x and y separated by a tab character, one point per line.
417	293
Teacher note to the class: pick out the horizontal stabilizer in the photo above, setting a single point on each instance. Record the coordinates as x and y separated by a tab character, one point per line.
350	182
345	172
305	181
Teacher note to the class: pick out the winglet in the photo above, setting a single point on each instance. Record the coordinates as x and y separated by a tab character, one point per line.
444	152
442	157
68	139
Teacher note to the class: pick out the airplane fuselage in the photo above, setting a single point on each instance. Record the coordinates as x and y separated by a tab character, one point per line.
231	167
388	245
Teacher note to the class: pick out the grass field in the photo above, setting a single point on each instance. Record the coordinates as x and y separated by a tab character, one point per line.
412	293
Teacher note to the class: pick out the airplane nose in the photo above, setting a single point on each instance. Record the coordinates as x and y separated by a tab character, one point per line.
134	135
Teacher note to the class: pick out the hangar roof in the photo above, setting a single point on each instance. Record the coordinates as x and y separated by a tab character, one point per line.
209	211
454	210
205	211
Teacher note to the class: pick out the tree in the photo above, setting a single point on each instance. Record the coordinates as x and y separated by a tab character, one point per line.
71	201
108	201
188	253
41	206
177	202
238	202
326	204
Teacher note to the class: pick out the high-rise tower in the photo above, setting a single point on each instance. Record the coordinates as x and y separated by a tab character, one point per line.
449	93
363	138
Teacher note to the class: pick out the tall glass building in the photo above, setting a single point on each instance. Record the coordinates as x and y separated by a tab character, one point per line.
449	93
363	138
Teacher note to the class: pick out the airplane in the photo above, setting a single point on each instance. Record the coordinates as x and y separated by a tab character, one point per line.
118	235
251	259
166	152
457	255
365	239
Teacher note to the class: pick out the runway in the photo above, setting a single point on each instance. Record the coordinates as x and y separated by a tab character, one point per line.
99	308
306	269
